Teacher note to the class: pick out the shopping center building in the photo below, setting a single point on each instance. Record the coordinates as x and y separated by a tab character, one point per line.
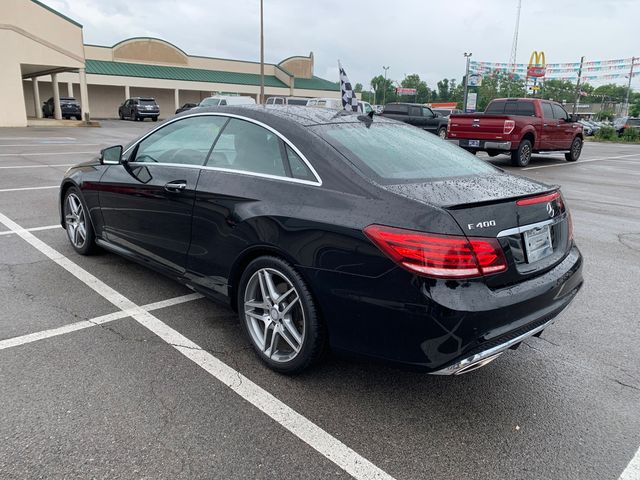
43	55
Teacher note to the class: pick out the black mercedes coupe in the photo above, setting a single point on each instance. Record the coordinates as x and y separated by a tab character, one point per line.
326	229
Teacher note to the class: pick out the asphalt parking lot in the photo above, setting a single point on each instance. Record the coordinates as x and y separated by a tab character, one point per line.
109	370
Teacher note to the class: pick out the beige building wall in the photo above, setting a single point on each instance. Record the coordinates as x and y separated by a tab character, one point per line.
33	39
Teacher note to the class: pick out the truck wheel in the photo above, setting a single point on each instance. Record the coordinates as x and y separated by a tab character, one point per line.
442	132
576	149
522	156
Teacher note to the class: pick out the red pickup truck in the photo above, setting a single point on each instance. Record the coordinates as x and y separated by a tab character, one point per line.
520	127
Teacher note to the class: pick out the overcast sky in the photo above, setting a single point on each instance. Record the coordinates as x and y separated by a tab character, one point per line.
411	36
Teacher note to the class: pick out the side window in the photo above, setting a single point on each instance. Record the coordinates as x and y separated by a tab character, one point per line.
547	111
427	112
185	142
415	112
248	147
367	108
270	101
299	169
559	112
222	102
279	101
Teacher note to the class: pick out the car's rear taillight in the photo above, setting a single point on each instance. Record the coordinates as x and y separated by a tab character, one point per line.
538	199
440	256
509	125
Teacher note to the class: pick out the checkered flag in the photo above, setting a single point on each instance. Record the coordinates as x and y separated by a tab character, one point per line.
349	99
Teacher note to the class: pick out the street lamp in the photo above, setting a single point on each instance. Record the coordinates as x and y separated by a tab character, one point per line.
466	82
384	92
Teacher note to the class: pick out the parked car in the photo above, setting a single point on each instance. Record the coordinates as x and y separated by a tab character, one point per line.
332	103
286	101
445	112
221	100
69	107
365	107
623	123
185	107
519	127
587	128
417	115
378	109
324	229
139	108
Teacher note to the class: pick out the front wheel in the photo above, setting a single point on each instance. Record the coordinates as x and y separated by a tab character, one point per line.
278	314
522	156
576	149
155	119
77	222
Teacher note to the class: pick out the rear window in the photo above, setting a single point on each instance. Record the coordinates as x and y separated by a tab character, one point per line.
297	101
633	121
392	154
146	101
210	102
495	108
526	109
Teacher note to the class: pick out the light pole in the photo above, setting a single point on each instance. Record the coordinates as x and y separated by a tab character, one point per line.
626	102
261	52
384	92
466	82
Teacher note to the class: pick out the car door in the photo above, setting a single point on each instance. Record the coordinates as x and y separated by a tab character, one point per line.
415	117
431	120
564	130
549	127
147	201
250	172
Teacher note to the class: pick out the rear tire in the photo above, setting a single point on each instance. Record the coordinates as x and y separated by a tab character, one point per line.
522	156
576	149
78	223
295	315
442	132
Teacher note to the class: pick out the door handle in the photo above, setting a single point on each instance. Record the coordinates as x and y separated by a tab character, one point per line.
176	186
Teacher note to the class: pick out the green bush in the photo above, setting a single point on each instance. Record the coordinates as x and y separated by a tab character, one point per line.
631	135
607	133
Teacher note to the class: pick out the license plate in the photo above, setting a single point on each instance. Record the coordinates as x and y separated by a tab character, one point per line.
537	243
474	143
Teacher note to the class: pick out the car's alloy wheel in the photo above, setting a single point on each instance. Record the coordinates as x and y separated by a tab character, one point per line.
274	315
442	133
278	314
77	223
522	156
576	150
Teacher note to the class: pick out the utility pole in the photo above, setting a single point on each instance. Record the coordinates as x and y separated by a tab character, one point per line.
261	52
466	82
384	91
577	101
626	102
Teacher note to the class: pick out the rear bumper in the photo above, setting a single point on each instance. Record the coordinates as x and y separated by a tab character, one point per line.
485	145
147	114
440	326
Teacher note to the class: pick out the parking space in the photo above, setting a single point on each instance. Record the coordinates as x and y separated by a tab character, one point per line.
111	370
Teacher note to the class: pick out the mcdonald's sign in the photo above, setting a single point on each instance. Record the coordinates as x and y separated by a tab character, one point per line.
537	66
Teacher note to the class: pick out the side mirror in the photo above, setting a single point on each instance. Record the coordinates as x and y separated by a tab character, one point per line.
111	155
573	118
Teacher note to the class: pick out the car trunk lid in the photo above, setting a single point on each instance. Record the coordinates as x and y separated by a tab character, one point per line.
479	127
513	209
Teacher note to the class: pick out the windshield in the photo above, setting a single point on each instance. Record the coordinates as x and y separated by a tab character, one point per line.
210	102
390	153
634	121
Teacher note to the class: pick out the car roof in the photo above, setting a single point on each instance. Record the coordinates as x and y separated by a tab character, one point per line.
298	114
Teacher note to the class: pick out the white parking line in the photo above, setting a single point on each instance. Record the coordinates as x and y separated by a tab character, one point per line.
40	166
44	153
632	472
27	188
303	428
580	162
101	320
33	229
13	139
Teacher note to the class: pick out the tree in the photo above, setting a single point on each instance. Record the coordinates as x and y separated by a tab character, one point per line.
559	90
423	94
443	90
358	88
380	86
